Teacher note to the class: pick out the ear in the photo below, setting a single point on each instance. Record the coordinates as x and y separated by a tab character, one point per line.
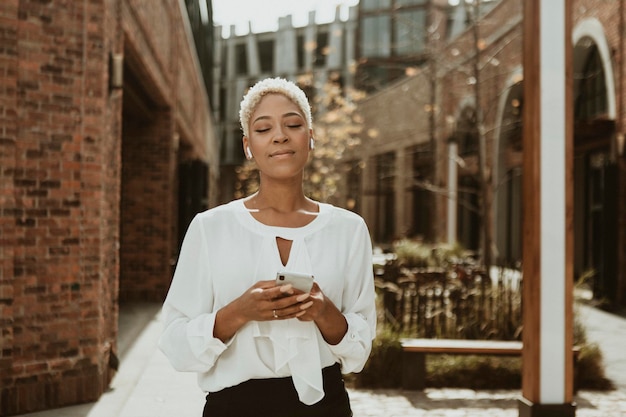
246	148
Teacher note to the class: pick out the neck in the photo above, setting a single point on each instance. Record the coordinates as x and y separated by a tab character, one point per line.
281	197
281	202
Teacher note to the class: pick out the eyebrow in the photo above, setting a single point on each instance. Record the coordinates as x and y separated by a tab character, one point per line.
288	114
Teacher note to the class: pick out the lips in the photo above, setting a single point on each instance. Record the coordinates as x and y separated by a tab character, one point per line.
282	152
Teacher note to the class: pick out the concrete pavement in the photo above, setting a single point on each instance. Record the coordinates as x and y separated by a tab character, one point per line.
147	386
609	332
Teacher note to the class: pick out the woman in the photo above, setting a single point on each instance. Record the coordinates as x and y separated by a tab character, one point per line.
262	349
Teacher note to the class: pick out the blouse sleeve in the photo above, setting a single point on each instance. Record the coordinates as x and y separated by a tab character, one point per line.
358	306
187	339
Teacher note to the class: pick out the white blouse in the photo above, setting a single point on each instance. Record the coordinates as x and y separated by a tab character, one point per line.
225	251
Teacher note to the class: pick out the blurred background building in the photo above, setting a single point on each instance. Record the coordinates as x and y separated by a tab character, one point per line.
309	55
443	150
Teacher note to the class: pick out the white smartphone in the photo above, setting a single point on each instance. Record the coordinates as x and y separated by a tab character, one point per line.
303	282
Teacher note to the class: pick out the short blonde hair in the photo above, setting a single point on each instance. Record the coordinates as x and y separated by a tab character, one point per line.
268	86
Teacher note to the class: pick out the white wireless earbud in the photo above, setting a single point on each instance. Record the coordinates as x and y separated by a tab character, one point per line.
312	144
248	152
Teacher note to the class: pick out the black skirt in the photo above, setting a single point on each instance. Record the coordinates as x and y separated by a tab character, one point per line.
277	397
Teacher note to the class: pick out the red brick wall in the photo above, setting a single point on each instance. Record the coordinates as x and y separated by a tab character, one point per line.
8	211
62	197
58	197
147	209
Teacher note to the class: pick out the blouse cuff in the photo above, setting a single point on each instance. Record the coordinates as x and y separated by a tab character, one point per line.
355	346
203	344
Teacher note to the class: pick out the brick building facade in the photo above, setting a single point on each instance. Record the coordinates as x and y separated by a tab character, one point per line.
103	113
419	171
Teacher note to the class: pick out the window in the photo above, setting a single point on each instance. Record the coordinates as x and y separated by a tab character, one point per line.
599	234
375	4
222	103
301	48
591	98
409	31
241	59
401	3
511	126
508	195
224	55
375	36
321	51
385	201
266	55
423	203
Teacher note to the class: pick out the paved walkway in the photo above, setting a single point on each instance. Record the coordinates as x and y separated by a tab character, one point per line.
147	386
609	332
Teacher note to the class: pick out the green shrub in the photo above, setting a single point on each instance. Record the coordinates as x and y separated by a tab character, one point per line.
384	367
589	370
475	372
411	253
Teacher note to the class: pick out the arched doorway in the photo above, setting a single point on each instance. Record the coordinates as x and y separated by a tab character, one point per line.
595	171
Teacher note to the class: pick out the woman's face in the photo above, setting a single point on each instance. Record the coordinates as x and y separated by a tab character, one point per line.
278	137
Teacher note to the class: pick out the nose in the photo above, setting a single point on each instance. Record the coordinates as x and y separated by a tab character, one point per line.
280	136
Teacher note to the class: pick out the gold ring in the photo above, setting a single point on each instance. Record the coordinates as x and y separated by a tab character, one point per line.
275	315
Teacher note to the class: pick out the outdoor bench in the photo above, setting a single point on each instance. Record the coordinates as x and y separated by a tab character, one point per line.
414	353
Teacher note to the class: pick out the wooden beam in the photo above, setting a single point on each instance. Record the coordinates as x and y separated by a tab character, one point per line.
531	203
547	370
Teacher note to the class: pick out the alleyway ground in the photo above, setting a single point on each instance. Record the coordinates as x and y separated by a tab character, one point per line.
147	386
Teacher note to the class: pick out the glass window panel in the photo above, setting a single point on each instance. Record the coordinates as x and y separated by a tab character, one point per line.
410	32
241	59
592	99
375	36
322	49
375	4
301	51
385	194
266	55
422	161
410	2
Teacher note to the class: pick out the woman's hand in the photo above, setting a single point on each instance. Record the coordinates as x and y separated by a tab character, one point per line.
267	301
328	318
263	301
